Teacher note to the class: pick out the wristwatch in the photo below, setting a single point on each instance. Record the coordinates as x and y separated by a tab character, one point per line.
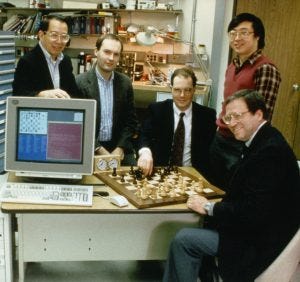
208	207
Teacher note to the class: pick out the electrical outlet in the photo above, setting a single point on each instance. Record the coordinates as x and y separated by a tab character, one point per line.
155	58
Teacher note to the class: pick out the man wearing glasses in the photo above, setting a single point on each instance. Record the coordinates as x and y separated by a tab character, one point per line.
250	69
45	71
259	215
157	146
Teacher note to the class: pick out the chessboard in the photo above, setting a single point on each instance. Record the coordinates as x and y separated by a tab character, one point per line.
164	187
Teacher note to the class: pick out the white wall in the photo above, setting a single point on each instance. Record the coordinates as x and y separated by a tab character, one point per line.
211	21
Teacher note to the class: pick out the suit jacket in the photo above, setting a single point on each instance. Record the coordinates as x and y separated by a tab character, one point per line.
125	124
158	130
32	75
260	213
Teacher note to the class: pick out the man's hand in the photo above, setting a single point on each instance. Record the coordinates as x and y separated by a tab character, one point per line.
54	93
119	152
145	162
196	203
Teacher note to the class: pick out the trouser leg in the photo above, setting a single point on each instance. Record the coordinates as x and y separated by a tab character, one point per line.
186	253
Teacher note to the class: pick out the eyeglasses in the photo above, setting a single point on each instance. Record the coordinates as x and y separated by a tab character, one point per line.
243	34
186	92
54	36
236	116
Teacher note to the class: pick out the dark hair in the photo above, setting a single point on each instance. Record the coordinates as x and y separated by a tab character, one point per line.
108	36
185	72
257	25
44	25
254	101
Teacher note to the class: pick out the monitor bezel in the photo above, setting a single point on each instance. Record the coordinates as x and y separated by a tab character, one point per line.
51	170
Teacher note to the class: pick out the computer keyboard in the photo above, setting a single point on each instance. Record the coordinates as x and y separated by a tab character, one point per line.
50	194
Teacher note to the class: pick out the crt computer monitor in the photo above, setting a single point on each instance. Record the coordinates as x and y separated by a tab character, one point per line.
50	138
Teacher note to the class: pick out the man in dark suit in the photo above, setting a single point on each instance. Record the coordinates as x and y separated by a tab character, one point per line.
116	124
260	213
157	133
45	71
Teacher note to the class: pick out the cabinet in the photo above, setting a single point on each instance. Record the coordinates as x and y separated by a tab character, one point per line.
7	68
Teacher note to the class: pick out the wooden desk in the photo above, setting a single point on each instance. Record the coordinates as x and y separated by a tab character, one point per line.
100	232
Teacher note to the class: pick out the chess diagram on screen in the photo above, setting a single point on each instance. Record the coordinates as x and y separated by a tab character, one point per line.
166	186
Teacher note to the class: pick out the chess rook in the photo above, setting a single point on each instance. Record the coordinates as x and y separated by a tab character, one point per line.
178	143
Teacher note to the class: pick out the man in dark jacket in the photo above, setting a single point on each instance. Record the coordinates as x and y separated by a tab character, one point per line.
158	130
45	71
116	124
260	213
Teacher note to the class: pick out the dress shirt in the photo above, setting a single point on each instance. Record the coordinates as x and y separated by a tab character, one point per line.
187	119
53	66
247	143
106	103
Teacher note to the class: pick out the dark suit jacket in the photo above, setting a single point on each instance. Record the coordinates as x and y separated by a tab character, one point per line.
32	75
125	124
158	130
260	213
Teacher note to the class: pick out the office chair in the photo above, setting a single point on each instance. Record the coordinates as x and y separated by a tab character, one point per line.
285	265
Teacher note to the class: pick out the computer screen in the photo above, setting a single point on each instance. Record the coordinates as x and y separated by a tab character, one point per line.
50	138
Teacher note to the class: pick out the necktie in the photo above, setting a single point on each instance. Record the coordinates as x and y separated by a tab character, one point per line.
178	142
245	150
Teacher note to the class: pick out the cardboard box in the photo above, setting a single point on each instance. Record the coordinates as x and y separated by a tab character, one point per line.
74	4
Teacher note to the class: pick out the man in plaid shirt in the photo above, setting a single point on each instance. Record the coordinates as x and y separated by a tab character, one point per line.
250	69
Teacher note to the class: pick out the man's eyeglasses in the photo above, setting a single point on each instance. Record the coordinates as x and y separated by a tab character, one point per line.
186	92
236	116
243	34
54	36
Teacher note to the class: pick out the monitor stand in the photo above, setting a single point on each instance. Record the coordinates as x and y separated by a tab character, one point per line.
49	177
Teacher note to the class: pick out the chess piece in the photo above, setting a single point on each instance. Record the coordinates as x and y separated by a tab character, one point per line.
131	172
134	179
178	142
122	178
114	173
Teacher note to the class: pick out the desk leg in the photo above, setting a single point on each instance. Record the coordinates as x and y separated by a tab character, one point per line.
21	249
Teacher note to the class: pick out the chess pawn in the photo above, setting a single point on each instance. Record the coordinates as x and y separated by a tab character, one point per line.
153	193
166	186
182	191
161	191
149	189
144	195
172	194
180	180
201	184
138	193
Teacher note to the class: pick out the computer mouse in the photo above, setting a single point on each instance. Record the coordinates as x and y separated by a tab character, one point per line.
119	201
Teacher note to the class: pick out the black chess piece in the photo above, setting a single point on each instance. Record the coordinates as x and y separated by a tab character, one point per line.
162	176
134	180
122	178
131	172
114	173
